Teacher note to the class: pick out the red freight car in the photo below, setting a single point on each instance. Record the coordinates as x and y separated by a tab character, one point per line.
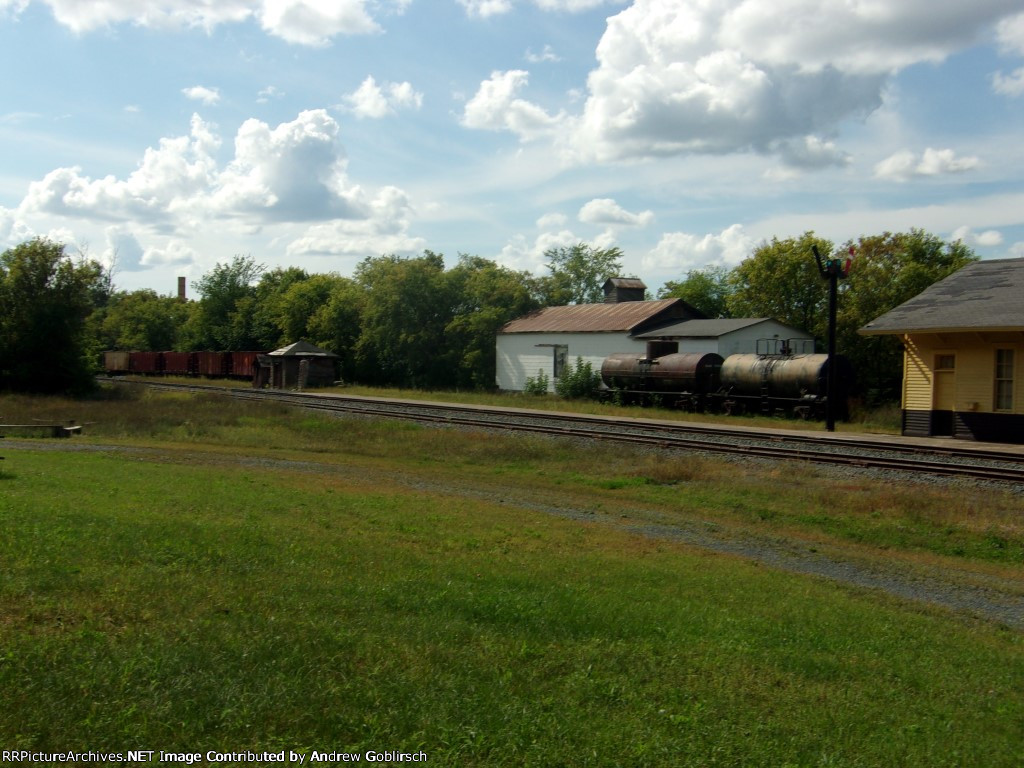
178	363
212	363
144	362
243	364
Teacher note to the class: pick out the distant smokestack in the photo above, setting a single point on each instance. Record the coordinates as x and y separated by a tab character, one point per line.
181	289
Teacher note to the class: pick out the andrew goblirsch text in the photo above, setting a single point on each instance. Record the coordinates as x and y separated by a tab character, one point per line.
151	756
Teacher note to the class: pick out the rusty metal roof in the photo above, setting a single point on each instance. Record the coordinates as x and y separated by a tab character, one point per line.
706	329
625	316
984	295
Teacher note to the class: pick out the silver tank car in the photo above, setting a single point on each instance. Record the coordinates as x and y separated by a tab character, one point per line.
695	372
797	377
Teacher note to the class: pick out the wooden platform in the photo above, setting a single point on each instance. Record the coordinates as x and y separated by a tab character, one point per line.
41	430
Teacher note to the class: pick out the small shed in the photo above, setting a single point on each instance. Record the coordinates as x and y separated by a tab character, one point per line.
297	366
963	341
620	289
730	336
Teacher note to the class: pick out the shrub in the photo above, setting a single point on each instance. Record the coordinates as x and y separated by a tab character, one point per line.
536	386
578	383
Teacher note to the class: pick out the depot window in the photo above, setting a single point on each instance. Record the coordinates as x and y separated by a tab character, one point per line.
1004	380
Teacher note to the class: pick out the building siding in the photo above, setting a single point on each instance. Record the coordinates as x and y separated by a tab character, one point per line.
732	337
745	341
974	415
523	355
917	377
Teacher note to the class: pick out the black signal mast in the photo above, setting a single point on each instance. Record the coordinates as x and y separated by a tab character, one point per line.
831	269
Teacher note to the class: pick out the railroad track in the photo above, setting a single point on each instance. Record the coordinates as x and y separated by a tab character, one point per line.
858	452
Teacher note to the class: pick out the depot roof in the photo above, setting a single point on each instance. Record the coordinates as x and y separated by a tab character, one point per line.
983	296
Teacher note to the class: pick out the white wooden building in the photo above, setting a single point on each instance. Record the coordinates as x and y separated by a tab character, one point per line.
548	341
731	336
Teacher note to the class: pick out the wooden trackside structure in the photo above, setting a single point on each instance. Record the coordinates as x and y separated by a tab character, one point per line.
963	361
297	366
40	430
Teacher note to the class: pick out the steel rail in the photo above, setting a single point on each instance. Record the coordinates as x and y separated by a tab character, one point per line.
668	442
809	448
865	443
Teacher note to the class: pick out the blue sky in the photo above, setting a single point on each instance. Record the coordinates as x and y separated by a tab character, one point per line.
174	134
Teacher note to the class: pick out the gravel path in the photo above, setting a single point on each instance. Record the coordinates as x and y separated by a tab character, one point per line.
985	596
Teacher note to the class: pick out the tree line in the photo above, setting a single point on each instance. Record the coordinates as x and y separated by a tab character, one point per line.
781	280
412	322
397	321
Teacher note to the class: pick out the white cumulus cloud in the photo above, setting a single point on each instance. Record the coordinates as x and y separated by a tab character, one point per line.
304	22
686	76
988	239
208	96
175	171
681	251
124	251
384	231
292	172
552	221
1010	32
607	212
520	253
548	54
173	252
574	6
1009	85
374	101
486	8
13	229
280	176
905	164
811	152
315	22
496	106
268	93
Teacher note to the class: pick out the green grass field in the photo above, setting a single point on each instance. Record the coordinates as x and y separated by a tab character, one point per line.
236	577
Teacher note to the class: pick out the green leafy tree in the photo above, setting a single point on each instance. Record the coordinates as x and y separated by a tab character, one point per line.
707	290
578	274
406	308
781	280
227	310
269	297
485	297
297	306
46	299
143	320
337	324
887	270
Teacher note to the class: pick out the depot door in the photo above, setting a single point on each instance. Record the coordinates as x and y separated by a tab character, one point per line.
944	395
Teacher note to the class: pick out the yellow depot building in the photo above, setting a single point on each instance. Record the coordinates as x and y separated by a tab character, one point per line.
963	344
